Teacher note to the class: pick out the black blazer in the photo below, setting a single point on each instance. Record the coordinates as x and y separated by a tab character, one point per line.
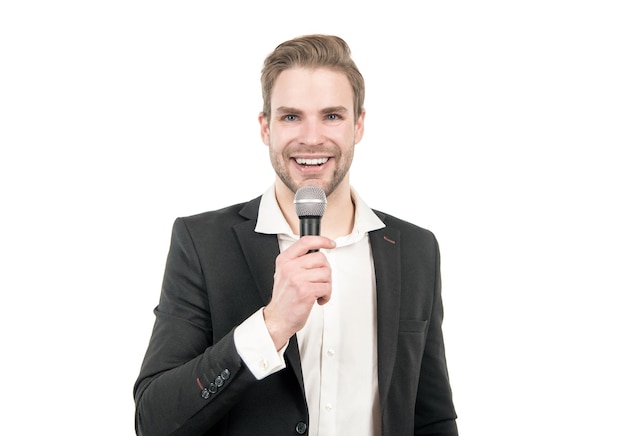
219	271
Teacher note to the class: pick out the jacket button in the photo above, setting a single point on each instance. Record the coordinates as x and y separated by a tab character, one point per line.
225	374
212	388
301	427
205	394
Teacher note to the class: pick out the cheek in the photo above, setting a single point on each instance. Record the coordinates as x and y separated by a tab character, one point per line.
279	141
349	138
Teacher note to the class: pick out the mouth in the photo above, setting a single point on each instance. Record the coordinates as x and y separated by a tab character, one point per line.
311	162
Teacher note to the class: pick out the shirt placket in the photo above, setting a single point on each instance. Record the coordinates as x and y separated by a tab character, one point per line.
330	356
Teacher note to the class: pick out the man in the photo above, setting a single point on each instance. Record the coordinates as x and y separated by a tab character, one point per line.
256	334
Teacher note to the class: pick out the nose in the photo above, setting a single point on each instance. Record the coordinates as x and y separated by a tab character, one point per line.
312	133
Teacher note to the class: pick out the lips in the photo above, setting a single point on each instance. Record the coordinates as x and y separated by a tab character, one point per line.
311	162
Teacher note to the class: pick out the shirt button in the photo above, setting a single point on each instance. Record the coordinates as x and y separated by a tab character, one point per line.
264	365
329	407
301	427
330	352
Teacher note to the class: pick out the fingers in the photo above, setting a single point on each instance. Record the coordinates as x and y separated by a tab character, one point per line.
310	263
298	266
325	298
307	243
300	279
307	277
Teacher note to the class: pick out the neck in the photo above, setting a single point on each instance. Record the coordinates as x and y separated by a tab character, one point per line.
338	220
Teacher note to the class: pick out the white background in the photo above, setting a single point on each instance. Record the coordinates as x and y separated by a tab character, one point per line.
498	125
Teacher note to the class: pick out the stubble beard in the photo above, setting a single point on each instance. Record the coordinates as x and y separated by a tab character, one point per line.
344	161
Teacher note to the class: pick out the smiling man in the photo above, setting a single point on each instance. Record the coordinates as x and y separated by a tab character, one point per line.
257	334
313	129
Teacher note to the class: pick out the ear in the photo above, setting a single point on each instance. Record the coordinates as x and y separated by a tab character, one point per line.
265	128
359	127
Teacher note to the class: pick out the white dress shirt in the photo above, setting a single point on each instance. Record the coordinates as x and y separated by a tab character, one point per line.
338	345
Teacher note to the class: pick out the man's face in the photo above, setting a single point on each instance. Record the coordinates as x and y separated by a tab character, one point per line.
311	131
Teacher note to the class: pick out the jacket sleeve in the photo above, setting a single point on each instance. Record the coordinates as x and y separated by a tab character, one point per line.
187	382
434	410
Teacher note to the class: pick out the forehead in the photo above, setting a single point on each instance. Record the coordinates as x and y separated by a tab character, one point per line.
312	88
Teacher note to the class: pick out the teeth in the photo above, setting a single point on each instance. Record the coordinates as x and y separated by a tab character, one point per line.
318	161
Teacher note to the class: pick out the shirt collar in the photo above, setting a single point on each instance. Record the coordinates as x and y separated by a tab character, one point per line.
272	221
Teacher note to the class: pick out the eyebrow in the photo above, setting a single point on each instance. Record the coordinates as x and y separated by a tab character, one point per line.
334	110
288	110
328	110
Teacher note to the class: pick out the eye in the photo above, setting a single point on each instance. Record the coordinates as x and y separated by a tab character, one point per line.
333	117
290	117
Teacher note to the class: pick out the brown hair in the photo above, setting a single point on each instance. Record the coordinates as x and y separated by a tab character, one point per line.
312	51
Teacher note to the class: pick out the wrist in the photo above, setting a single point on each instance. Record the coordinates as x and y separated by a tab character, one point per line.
277	333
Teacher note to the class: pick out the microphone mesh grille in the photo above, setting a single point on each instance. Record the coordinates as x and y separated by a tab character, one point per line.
310	201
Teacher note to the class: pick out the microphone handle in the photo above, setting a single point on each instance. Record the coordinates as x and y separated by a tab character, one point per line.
310	226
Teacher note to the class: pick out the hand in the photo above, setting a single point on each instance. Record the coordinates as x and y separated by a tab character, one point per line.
301	279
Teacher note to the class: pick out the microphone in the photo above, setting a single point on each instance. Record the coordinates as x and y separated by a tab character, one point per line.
310	202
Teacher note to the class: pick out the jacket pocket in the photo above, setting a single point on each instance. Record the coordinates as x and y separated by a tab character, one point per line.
413	325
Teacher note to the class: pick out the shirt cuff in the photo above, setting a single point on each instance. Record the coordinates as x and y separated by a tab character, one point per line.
256	348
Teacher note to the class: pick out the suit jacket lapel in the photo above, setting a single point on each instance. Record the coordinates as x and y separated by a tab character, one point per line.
385	245
260	251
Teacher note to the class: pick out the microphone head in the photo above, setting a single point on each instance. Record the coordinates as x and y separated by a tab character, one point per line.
310	201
